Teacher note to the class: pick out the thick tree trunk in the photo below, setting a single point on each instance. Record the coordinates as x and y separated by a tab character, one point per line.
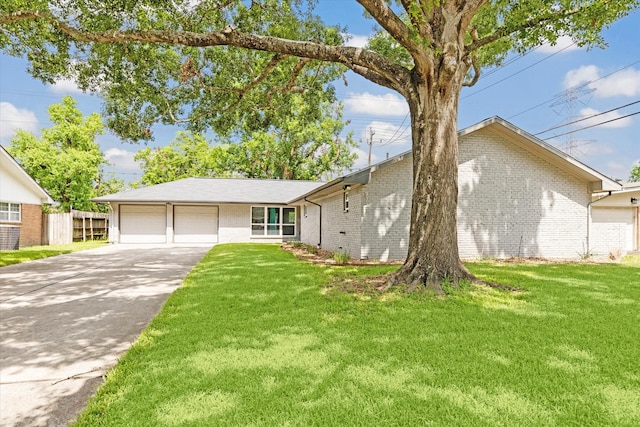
433	244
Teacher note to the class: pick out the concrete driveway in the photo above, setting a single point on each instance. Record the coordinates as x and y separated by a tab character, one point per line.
65	320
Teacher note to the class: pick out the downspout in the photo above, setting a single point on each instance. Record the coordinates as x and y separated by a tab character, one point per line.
320	224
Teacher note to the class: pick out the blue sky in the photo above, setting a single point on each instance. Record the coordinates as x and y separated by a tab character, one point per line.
527	92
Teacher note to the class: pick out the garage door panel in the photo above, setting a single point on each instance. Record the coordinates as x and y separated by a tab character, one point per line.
195	224
143	224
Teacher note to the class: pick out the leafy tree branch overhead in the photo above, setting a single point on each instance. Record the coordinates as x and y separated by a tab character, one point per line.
213	64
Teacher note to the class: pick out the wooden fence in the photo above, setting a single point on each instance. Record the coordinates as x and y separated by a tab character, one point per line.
76	226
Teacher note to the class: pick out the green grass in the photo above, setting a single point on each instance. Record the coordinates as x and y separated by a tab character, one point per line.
36	252
255	337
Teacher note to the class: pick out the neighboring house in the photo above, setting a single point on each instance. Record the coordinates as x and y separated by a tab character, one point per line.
208	210
21	200
615	221
518	196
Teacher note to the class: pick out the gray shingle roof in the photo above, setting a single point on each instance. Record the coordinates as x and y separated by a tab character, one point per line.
217	190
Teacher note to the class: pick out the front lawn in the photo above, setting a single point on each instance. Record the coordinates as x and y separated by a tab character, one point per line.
256	337
31	253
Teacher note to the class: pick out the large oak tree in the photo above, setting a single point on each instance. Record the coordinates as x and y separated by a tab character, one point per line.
212	63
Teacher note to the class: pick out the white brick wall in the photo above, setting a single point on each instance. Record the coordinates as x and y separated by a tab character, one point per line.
309	224
341	230
612	230
386	212
512	203
234	223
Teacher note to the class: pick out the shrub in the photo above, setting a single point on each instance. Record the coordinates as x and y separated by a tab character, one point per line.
341	257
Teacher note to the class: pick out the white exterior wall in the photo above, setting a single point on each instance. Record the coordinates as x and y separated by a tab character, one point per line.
387	212
14	190
512	203
309	224
341	231
615	223
235	225
613	230
114	223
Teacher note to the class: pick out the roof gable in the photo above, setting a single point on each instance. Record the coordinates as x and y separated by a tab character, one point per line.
513	134
17	176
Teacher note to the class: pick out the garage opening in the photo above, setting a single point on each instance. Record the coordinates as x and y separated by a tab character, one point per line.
143	224
195	224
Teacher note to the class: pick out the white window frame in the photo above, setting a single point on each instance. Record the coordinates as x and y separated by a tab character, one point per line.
9	214
280	225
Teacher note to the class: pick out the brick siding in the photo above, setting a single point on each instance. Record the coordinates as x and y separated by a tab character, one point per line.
30	225
510	203
341	230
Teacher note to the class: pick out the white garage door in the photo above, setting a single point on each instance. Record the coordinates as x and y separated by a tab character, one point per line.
614	227
143	224
195	224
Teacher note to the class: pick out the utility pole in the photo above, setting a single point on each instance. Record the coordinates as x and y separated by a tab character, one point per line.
370	142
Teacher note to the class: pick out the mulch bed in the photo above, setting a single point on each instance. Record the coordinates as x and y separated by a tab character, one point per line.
321	256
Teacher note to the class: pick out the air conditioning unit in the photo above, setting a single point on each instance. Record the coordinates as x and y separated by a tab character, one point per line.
9	237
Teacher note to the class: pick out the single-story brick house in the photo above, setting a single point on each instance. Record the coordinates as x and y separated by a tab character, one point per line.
518	196
208	210
21	200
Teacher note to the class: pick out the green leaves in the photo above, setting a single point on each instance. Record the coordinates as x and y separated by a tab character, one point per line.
65	160
303	143
634	176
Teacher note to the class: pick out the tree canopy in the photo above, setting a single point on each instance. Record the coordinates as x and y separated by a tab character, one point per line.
304	144
66	161
634	176
213	64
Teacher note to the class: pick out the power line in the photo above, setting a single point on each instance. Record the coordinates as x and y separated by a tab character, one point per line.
587	118
592	126
518	72
397	130
561	94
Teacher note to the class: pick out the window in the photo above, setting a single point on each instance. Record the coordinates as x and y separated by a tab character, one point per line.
9	212
345	201
273	221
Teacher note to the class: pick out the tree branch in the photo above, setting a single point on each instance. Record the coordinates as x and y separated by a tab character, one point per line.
391	23
506	30
476	72
351	57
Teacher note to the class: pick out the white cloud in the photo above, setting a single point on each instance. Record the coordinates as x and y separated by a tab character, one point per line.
387	104
584	74
121	159
12	118
622	83
64	87
363	159
563	43
356	40
386	133
621	123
